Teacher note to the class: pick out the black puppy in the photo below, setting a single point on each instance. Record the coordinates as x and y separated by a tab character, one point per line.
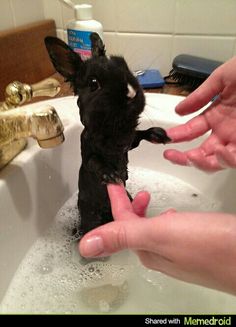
110	102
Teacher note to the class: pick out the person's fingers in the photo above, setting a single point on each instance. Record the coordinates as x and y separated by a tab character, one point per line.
177	157
120	203
225	157
209	145
116	236
138	234
168	211
202	95
140	203
192	129
194	157
202	157
200	160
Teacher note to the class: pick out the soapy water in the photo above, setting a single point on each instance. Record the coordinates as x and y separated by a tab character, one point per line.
53	278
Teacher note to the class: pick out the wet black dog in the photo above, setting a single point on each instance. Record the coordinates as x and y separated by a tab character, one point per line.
110	102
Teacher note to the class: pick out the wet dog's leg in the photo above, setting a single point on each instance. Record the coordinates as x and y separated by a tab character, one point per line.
106	173
154	135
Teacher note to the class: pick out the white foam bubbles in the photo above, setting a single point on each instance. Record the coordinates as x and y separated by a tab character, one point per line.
53	278
168	191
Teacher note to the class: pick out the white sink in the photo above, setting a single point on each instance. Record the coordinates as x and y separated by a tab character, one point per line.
37	183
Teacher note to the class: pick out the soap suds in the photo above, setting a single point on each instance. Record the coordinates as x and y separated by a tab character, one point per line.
53	278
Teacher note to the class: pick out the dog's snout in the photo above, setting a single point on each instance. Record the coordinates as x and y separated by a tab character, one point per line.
131	92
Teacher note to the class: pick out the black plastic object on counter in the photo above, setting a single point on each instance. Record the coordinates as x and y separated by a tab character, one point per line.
191	70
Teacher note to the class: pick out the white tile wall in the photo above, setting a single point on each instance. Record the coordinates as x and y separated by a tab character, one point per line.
145	16
6	20
53	10
67	15
211	17
27	11
144	51
14	13
110	39
215	47
149	33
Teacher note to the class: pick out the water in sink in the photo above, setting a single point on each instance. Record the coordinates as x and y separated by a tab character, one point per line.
52	278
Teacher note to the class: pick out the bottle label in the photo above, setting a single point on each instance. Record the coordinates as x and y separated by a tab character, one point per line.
80	42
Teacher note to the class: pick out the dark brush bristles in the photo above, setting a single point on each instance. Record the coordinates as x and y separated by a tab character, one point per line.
178	78
191	71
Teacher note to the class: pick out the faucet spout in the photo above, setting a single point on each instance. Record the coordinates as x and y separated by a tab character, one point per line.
46	127
43	124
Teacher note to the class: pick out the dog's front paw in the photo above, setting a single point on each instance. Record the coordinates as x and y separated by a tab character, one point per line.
111	177
157	135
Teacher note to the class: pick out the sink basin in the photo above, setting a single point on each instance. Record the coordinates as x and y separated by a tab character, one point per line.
39	186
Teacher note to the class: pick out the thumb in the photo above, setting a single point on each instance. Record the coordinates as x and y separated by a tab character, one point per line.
140	203
116	236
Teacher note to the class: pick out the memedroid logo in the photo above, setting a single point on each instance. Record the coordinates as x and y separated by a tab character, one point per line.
213	321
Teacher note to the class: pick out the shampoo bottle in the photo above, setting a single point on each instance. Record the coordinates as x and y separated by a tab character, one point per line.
79	30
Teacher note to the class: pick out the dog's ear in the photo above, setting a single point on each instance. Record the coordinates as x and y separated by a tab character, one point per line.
98	48
64	59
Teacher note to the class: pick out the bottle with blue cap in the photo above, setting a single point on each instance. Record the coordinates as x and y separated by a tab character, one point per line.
79	30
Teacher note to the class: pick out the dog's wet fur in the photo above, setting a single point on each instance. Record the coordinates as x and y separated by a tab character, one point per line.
110	101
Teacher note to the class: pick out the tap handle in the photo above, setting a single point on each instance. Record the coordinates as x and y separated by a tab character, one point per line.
18	93
49	87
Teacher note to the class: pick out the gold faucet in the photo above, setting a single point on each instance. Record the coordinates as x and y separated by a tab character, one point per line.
16	124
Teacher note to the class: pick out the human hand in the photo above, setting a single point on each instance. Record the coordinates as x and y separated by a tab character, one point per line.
218	151
198	248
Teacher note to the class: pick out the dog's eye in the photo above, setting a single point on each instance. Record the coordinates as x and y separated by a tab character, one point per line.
93	84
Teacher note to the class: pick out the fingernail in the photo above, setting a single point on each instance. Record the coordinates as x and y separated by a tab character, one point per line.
93	246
